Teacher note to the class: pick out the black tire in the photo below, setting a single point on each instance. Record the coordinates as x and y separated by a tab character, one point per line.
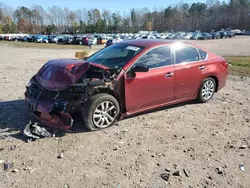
201	98
92	104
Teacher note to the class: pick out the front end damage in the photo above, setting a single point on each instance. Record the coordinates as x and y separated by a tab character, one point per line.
61	87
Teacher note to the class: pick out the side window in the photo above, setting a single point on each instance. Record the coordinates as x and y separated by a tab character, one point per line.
186	54
157	57
203	54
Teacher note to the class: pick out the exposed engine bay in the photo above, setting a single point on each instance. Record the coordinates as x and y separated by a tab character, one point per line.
55	106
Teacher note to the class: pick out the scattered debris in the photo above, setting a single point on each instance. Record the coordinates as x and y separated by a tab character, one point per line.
186	172
15	170
8	166
29	168
165	176
243	147
167	169
125	130
242	168
34	130
60	156
13	147
66	186
219	170
177	173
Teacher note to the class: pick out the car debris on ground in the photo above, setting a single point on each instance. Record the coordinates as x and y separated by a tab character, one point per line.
36	131
8	166
177	173
242	168
165	176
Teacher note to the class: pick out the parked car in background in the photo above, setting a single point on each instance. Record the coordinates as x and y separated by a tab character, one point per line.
85	40
55	39
39	38
223	34
109	43
51	38
31	38
92	41
114	82
207	35
67	40
62	39
1	37
45	39
102	40
215	35
230	34
198	36
6	37
113	41
188	35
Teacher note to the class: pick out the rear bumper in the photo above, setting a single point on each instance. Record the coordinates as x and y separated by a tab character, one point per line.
222	82
48	114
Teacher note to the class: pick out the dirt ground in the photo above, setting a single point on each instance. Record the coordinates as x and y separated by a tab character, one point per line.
203	139
238	46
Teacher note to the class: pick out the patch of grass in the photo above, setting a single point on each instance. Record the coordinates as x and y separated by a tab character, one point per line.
49	46
239	65
239	61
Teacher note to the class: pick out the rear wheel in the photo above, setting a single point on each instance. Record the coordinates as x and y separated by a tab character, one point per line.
206	90
100	111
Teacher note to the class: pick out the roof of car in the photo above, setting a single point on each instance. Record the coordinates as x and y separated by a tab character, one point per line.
147	42
154	42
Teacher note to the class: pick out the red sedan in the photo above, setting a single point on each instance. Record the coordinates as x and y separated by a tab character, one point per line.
123	79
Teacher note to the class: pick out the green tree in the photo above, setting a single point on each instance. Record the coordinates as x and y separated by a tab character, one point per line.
133	20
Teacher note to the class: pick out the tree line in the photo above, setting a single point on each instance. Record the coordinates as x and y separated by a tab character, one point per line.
212	15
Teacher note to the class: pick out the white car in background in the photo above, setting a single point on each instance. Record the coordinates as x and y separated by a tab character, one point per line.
92	41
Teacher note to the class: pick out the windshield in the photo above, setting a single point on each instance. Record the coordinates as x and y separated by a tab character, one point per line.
115	56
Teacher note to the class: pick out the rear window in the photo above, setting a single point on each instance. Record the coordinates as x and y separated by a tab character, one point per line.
203	54
186	54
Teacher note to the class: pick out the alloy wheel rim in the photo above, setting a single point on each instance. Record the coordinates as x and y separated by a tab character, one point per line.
208	90
104	114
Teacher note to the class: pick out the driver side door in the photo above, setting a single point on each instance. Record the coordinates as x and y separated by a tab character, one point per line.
145	90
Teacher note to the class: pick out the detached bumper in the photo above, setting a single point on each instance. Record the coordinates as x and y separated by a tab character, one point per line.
49	114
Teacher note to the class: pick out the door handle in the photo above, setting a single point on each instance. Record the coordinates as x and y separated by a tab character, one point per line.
169	74
202	67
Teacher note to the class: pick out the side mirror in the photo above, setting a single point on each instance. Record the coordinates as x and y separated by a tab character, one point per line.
140	68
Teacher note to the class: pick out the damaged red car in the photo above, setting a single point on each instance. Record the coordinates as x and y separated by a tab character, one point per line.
123	79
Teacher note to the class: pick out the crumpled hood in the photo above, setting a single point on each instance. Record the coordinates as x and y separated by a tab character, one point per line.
57	75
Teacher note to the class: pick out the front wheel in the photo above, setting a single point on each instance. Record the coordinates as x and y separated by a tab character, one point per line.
100	111
206	90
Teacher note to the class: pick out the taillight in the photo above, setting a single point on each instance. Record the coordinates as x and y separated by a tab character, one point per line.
225	63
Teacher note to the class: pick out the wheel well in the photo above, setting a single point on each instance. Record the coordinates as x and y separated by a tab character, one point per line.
110	92
216	81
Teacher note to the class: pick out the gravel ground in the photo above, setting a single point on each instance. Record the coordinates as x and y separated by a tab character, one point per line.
203	139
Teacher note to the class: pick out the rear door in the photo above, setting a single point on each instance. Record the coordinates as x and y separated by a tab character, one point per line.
147	89
188	72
